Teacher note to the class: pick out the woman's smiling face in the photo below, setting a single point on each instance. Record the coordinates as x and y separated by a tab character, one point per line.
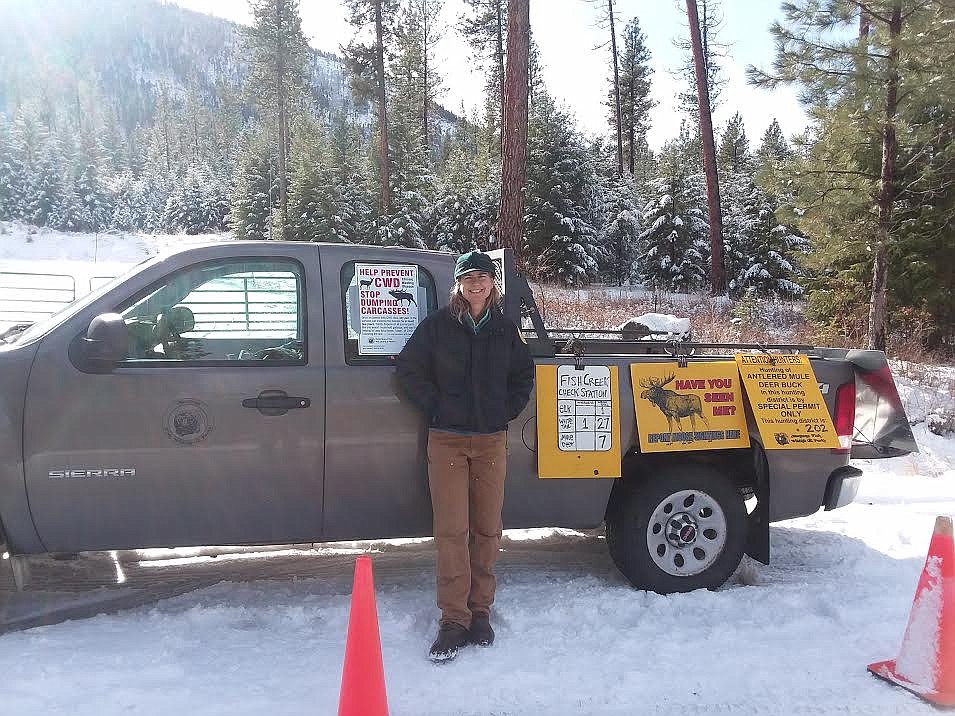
476	287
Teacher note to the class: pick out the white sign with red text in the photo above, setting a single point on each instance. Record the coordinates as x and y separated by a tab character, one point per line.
388	307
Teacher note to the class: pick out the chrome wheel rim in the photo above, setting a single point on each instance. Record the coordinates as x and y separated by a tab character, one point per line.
686	533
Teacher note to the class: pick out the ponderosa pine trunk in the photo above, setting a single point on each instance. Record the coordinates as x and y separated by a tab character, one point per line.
383	144
514	149
709	153
616	90
880	272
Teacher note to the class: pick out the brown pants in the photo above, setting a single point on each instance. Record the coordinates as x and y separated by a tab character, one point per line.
466	474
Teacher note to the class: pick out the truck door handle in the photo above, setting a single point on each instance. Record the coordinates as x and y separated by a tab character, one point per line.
276	402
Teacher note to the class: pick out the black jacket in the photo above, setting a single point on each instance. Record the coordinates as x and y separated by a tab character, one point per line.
467	382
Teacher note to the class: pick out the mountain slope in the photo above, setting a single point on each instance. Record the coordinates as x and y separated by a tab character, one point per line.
119	56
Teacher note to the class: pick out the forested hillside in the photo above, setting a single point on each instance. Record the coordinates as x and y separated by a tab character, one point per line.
138	115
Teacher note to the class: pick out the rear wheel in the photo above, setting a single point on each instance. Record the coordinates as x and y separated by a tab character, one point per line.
682	529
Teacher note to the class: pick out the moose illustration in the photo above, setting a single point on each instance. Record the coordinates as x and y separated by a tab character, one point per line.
673	405
403	296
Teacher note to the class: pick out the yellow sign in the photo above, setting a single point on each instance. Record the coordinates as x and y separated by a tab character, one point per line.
578	421
699	407
786	402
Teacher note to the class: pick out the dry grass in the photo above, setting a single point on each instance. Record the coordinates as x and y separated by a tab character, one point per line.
713	320
720	320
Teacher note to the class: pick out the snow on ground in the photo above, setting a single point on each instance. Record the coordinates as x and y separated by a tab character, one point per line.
573	636
90	259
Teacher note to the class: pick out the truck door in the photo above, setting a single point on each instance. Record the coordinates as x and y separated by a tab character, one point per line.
210	432
376	470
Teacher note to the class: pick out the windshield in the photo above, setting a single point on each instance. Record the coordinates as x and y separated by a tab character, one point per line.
40	328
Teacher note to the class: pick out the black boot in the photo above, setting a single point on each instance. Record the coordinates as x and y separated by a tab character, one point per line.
481	632
450	638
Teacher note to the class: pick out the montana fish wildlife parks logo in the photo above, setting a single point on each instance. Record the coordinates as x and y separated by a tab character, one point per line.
188	422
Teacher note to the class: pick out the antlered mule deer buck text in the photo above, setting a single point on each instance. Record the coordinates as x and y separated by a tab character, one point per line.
673	405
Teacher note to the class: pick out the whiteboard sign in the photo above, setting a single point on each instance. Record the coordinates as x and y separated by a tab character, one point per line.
584	409
387	307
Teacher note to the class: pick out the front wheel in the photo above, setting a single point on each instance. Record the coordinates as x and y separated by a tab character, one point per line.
682	529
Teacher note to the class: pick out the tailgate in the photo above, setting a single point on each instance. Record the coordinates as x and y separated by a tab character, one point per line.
881	426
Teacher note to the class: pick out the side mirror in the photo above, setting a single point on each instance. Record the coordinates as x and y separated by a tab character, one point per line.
107	339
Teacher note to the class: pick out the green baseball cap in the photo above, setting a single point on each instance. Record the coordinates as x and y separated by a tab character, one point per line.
474	261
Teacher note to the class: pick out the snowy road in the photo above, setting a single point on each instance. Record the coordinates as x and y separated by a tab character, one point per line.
573	638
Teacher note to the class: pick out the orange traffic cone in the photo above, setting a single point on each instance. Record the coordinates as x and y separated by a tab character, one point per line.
363	676
926	662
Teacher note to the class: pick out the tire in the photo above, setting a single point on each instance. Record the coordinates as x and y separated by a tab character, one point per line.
682	529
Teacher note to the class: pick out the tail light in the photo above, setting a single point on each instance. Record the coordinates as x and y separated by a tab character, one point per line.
845	416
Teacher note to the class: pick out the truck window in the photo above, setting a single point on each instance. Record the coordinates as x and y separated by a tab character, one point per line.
236	310
382	304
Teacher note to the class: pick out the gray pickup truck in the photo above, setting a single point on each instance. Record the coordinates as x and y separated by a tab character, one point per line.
244	393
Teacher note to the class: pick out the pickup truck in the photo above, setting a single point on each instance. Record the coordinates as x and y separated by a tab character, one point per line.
229	395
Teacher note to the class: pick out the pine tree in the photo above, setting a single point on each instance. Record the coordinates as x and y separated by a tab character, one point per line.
635	101
255	193
278	75
368	78
45	189
197	204
12	174
772	156
412	183
620	230
89	167
458	212
69	213
418	35
485	30
710	23
675	241
733	155
560	243
761	254
353	209
864	85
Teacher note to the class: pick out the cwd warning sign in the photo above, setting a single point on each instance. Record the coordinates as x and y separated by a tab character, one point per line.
388	307
786	401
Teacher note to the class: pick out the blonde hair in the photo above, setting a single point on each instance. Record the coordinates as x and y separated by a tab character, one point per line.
459	305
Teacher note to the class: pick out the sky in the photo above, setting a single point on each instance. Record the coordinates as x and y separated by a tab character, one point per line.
576	61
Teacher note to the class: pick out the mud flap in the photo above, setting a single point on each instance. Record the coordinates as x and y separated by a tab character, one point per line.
757	539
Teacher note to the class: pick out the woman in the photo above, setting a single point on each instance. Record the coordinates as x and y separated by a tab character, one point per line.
469	370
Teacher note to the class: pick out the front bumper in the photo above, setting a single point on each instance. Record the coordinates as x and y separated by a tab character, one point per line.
842	487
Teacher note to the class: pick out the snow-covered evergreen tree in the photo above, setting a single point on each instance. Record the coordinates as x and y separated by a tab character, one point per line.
620	228
675	257
459	212
760	253
70	212
560	242
733	154
128	209
329	197
45	188
88	164
772	156
197	204
254	194
413	184
12	173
